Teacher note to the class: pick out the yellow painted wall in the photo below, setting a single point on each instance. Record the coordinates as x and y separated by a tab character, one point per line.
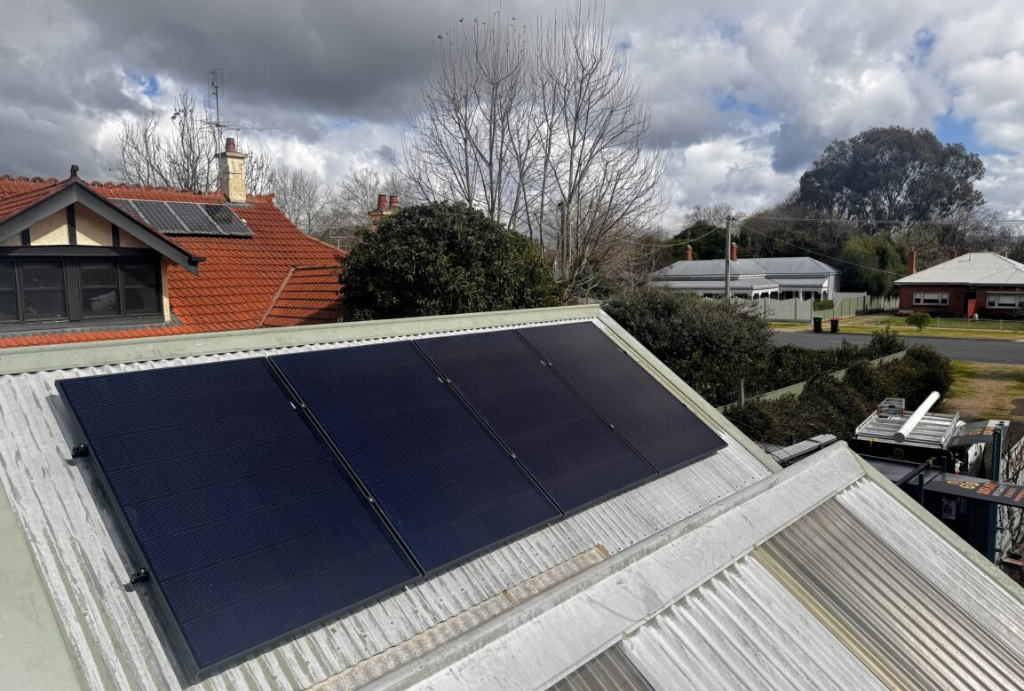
92	230
164	289
131	242
52	230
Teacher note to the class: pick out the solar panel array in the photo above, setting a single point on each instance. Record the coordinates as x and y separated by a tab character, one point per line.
186	218
266	495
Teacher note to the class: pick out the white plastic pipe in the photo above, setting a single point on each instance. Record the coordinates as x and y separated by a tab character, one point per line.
903	432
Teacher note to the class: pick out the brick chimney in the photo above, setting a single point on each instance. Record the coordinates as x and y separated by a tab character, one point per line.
913	261
952	254
385	207
689	253
231	173
735	251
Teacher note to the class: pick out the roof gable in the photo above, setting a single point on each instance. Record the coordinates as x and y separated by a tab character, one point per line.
22	211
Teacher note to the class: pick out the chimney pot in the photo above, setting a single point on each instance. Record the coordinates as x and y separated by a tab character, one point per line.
952	254
689	253
382	201
230	145
913	261
735	251
393	201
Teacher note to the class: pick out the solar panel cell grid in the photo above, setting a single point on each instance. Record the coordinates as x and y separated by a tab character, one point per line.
446	485
577	458
656	423
196	221
158	215
226	220
246	522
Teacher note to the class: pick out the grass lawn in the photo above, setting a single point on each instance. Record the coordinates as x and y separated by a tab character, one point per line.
984	391
946	328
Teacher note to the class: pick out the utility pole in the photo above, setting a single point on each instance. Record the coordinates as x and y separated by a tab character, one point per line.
728	256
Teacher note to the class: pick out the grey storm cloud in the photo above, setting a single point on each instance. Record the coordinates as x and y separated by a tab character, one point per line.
733	85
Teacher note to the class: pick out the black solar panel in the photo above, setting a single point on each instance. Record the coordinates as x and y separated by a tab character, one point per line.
577	457
244	518
126	205
159	216
226	220
195	219
656	423
445	483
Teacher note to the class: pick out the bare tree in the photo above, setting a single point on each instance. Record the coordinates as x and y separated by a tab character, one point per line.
543	130
185	156
302	197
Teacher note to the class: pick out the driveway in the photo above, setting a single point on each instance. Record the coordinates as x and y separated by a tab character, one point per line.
967	350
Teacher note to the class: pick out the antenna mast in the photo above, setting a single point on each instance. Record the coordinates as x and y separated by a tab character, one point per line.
215	78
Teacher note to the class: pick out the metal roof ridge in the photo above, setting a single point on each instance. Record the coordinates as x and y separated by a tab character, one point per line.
97	353
642	581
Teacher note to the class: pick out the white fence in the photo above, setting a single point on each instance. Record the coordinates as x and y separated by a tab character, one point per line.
796	310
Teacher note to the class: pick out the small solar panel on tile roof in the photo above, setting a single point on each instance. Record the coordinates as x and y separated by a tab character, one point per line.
126	205
445	483
226	221
249	527
159	216
657	424
574	454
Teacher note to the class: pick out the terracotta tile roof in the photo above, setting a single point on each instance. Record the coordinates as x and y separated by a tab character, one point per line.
277	277
307	291
11	205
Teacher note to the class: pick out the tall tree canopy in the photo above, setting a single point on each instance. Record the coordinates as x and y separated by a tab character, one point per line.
893	175
543	129
444	258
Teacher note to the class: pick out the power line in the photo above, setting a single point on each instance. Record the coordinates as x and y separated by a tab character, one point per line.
1006	221
816	252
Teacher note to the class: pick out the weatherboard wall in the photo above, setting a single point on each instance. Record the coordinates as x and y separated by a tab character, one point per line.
110	634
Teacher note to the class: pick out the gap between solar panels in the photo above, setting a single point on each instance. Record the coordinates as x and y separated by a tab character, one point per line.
267	495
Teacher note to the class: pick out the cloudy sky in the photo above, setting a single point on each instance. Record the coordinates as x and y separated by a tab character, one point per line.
745	93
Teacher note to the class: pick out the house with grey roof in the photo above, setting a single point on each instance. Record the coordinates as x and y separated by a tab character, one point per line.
726	573
763	277
977	283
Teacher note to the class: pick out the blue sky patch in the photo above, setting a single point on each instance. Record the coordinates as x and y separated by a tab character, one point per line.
150	85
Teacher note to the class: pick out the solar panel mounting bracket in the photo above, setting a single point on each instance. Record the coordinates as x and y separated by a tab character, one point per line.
80	451
140	576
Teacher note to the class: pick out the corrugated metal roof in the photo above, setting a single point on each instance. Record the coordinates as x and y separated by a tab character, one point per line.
765	267
780	266
870	597
743	630
609	671
974	268
111	631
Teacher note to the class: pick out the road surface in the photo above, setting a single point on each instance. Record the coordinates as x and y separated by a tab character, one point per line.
968	350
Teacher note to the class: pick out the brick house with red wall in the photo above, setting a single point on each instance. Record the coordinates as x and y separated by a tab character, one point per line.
95	261
983	283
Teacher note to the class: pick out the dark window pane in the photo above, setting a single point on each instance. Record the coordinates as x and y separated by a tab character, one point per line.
8	306
142	300
99	275
43	275
99	302
6	275
44	304
140	275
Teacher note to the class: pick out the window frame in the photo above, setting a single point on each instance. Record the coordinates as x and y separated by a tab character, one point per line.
992	300
74	309
923	298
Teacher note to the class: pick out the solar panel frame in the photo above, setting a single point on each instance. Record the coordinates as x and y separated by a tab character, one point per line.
159	215
127	206
347	450
490	382
576	369
227	222
194	218
192	666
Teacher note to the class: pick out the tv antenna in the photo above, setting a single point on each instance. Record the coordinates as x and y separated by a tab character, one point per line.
215	81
